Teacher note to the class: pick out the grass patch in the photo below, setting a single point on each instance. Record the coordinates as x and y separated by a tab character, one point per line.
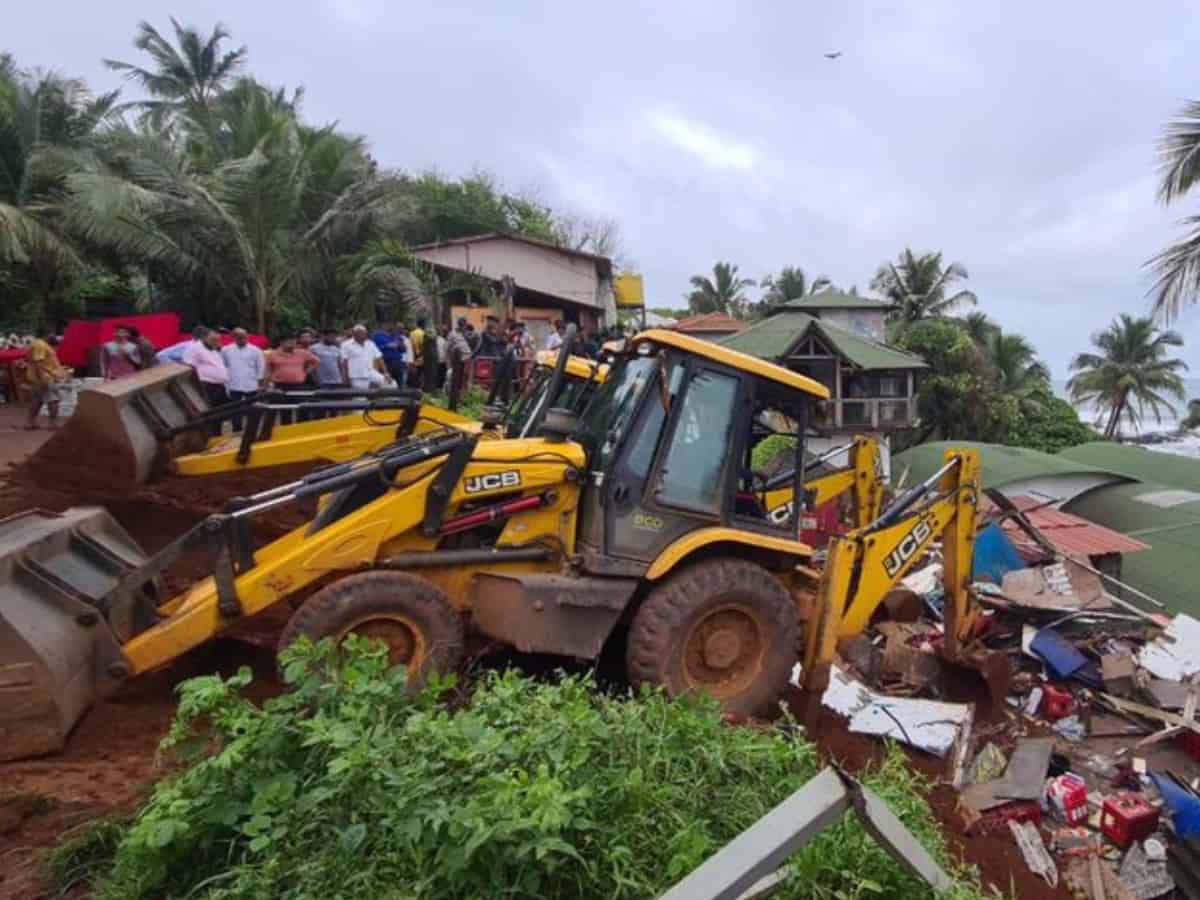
85	853
347	787
470	403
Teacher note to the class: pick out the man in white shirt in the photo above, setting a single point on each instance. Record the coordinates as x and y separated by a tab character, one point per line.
361	358
174	353
247	367
556	336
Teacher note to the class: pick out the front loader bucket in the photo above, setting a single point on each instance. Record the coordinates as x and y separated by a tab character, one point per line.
120	428
58	652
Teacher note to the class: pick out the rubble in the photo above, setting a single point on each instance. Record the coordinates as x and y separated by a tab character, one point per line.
1092	763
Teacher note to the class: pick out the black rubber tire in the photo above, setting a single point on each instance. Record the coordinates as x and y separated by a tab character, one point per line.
665	632
372	597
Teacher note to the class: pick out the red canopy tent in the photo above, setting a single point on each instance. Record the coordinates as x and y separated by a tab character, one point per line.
161	329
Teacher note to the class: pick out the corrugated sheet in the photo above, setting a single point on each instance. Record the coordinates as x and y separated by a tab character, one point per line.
1168	570
1070	534
831	299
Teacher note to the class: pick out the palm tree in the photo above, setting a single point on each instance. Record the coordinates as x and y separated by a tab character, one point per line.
1019	373
790	283
721	293
1130	373
1193	416
183	79
918	286
45	120
1177	269
255	225
981	328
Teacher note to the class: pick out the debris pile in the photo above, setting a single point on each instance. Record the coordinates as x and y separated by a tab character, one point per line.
1091	761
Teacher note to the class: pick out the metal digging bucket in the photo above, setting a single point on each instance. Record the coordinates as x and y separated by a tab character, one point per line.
58	651
120	428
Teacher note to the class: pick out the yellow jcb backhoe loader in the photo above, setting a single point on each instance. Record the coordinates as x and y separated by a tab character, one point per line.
624	523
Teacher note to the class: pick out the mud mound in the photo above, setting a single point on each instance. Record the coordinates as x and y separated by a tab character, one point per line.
78	457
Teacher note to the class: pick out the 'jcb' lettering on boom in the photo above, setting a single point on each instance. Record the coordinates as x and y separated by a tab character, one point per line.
895	560
492	481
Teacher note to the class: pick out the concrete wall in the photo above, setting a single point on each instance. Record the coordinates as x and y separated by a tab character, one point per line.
538	268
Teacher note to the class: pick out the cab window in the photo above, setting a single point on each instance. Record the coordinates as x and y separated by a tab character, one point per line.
691	474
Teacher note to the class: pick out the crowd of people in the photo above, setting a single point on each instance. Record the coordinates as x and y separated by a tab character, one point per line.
231	368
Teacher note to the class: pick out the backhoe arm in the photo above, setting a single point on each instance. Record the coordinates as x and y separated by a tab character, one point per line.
864	565
864	475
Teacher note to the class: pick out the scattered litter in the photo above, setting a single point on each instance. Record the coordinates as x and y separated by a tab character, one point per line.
1057	703
1023	778
1072	728
925	724
1182	802
1168	694
1143	879
1029	839
1127	817
1117	672
1074	841
988	764
1155	850
1034	702
1062	587
1063	658
1175	655
1066	795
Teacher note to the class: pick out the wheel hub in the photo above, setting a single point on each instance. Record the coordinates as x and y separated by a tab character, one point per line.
722	648
724	651
400	638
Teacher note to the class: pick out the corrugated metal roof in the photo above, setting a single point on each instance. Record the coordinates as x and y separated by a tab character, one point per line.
1070	534
774	336
1168	570
713	321
1001	465
1169	469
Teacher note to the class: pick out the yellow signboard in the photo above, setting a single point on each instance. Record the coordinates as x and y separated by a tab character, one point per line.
628	290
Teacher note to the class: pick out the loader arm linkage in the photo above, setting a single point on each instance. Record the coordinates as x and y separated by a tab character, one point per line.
864	565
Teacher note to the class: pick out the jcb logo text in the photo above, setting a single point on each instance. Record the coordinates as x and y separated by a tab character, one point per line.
895	560
492	481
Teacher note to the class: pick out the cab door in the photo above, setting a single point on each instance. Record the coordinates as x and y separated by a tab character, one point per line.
676	472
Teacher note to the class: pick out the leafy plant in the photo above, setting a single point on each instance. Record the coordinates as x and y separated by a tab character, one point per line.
349	786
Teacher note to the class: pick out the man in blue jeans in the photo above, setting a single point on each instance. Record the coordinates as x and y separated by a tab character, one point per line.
392	348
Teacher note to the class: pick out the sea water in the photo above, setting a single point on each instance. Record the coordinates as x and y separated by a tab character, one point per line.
1164	436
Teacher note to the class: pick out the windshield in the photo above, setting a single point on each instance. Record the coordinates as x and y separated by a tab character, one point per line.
608	415
532	400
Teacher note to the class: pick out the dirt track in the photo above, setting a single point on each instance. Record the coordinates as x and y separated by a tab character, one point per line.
109	761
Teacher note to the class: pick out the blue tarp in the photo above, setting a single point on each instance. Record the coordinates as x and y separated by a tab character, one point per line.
1063	660
994	555
1183	804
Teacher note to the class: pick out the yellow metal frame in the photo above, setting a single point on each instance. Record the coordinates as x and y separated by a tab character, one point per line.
863	566
334	440
386	526
733	359
864	474
685	546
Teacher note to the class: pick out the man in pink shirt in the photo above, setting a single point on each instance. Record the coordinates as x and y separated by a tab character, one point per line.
288	368
120	356
205	357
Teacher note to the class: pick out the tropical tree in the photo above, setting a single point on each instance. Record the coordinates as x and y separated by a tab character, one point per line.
255	225
184	78
1193	415
980	327
1018	372
920	287
790	283
1177	268
1130	373
724	292
45	121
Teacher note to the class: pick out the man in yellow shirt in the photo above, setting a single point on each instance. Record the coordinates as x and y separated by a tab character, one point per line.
416	337
45	375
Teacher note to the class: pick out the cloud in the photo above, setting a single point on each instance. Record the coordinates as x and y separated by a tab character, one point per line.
705	143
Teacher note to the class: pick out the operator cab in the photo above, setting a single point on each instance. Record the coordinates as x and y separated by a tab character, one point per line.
669	438
579	381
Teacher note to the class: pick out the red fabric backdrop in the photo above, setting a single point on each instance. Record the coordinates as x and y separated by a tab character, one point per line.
161	329
80	336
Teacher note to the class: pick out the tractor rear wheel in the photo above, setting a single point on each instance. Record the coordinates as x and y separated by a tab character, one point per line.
412	617
725	627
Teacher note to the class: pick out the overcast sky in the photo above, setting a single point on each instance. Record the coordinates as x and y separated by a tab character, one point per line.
1016	137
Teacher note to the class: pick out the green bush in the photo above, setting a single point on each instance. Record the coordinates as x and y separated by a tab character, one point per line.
470	404
347	787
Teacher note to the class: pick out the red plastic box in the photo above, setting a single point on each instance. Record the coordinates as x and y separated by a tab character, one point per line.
1057	703
1067	796
1126	817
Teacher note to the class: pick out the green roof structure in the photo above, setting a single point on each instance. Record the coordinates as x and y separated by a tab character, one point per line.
832	299
775	335
1165	518
1001	465
1137	462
